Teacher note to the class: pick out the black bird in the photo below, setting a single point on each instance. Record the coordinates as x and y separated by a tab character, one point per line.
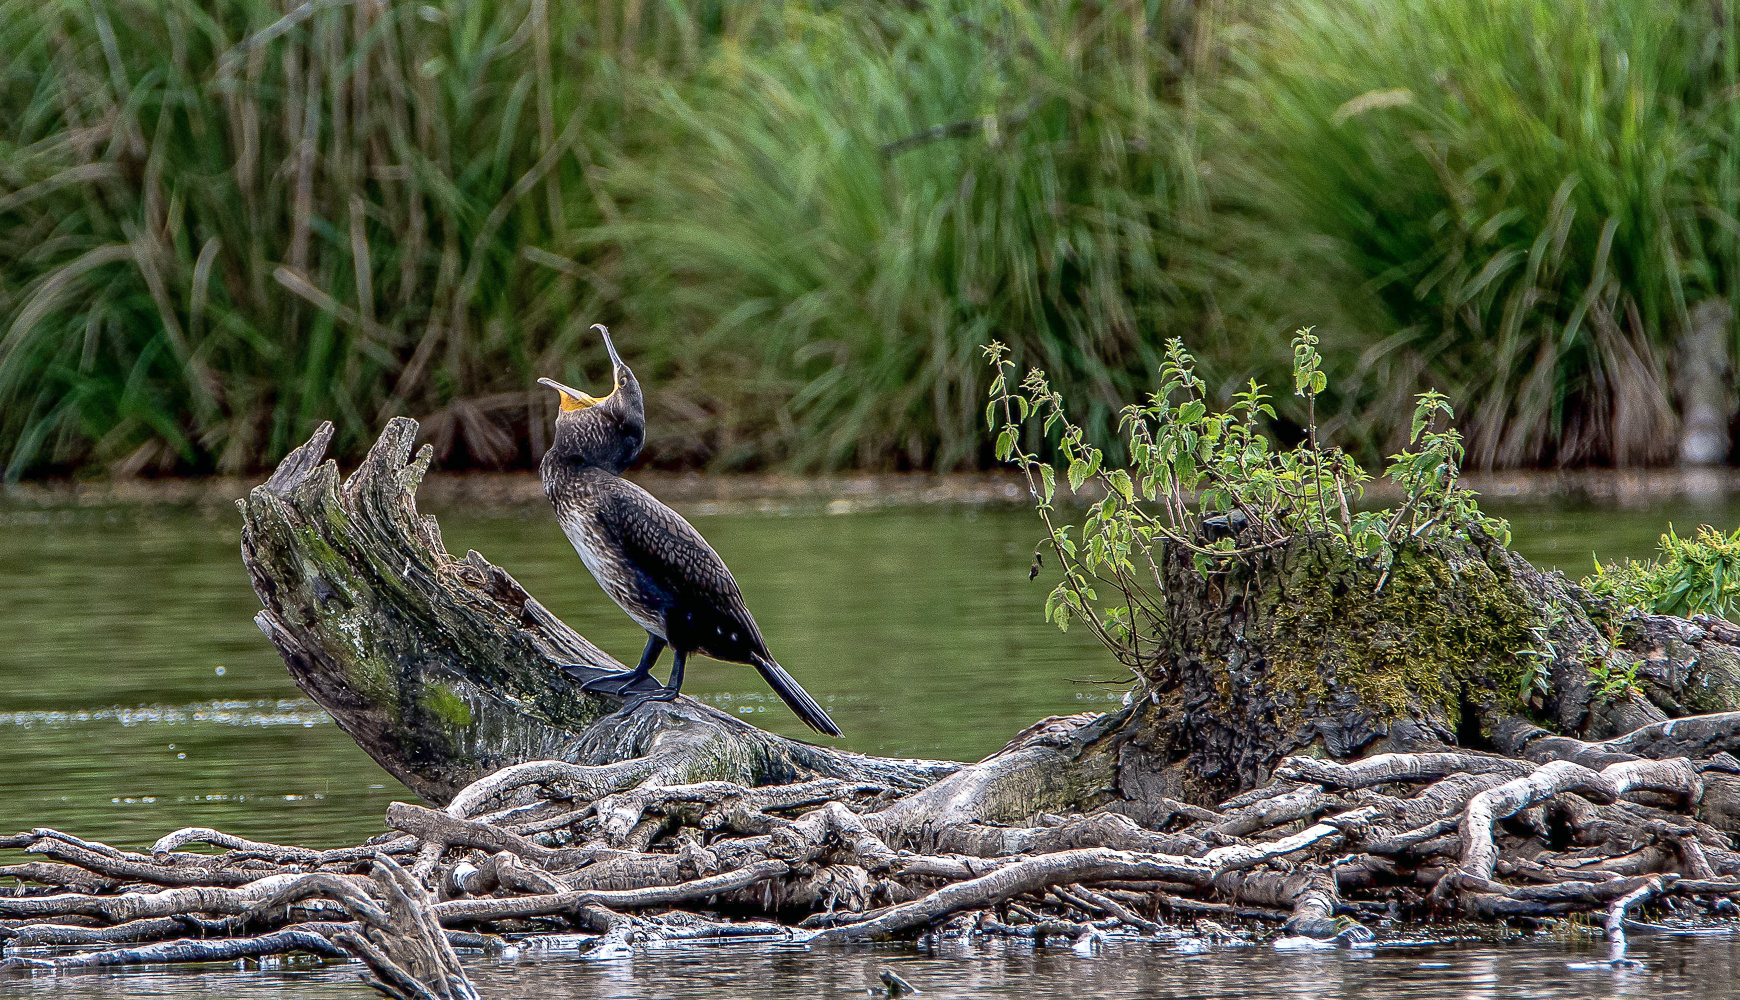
650	561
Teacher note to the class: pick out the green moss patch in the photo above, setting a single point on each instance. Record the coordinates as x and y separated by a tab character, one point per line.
1443	626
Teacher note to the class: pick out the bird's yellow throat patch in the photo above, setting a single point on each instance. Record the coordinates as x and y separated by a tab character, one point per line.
581	402
573	399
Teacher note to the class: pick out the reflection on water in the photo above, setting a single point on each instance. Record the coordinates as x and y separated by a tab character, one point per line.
1532	968
1568	535
136	697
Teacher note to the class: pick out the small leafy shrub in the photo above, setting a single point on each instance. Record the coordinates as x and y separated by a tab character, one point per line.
1688	576
1251	492
1613	682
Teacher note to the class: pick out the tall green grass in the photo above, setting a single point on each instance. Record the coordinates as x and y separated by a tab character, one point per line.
1529	194
851	214
222	222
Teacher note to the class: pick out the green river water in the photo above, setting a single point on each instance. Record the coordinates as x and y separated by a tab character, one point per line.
136	697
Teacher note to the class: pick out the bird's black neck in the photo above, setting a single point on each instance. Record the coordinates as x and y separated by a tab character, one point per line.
605	437
557	466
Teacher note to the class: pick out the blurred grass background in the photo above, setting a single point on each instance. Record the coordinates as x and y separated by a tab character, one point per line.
222	222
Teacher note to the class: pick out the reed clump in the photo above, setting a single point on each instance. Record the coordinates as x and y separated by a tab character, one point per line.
221	223
1529	196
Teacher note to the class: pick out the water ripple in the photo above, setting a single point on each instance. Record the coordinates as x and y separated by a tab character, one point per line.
264	712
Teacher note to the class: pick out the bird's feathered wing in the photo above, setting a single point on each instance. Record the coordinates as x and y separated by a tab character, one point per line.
673	558
666	550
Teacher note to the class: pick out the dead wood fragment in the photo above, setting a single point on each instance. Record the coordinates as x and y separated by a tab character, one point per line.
896	986
479	911
724	848
66	876
188	950
1113	907
436	827
1615	922
1479	851
828	864
1064	867
408	953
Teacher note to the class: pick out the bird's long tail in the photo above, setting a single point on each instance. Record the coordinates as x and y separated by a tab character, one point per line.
793	694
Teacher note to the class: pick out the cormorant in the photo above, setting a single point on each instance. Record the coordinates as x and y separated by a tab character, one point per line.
650	561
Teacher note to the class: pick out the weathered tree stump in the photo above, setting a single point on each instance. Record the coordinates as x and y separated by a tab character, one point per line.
445	670
1305	649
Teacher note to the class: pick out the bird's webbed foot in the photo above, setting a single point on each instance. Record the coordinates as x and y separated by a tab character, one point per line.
618	684
662	694
667	693
622	682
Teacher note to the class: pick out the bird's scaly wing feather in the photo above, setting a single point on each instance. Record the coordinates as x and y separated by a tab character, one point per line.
659	543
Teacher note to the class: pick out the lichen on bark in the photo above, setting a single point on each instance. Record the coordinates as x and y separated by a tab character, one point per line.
1307	648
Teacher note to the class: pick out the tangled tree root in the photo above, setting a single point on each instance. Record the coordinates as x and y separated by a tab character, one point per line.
1323	851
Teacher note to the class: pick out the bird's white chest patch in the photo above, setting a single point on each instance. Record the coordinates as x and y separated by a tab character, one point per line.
609	569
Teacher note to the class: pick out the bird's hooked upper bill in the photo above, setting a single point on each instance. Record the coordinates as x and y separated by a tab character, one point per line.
574	399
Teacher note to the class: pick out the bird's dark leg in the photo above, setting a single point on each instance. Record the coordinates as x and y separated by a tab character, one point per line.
620	683
673	687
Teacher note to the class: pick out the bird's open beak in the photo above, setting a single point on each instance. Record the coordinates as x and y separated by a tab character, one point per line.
574	399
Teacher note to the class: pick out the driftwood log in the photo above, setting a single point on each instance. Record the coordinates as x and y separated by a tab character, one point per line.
1326	748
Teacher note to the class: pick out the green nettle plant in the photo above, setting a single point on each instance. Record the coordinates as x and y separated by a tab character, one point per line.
1249	493
1688	576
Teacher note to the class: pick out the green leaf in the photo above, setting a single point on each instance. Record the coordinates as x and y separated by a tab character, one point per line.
1005	444
1048	476
1186	470
1078	471
1121	480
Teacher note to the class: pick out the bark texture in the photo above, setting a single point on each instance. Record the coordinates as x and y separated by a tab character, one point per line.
1305	649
